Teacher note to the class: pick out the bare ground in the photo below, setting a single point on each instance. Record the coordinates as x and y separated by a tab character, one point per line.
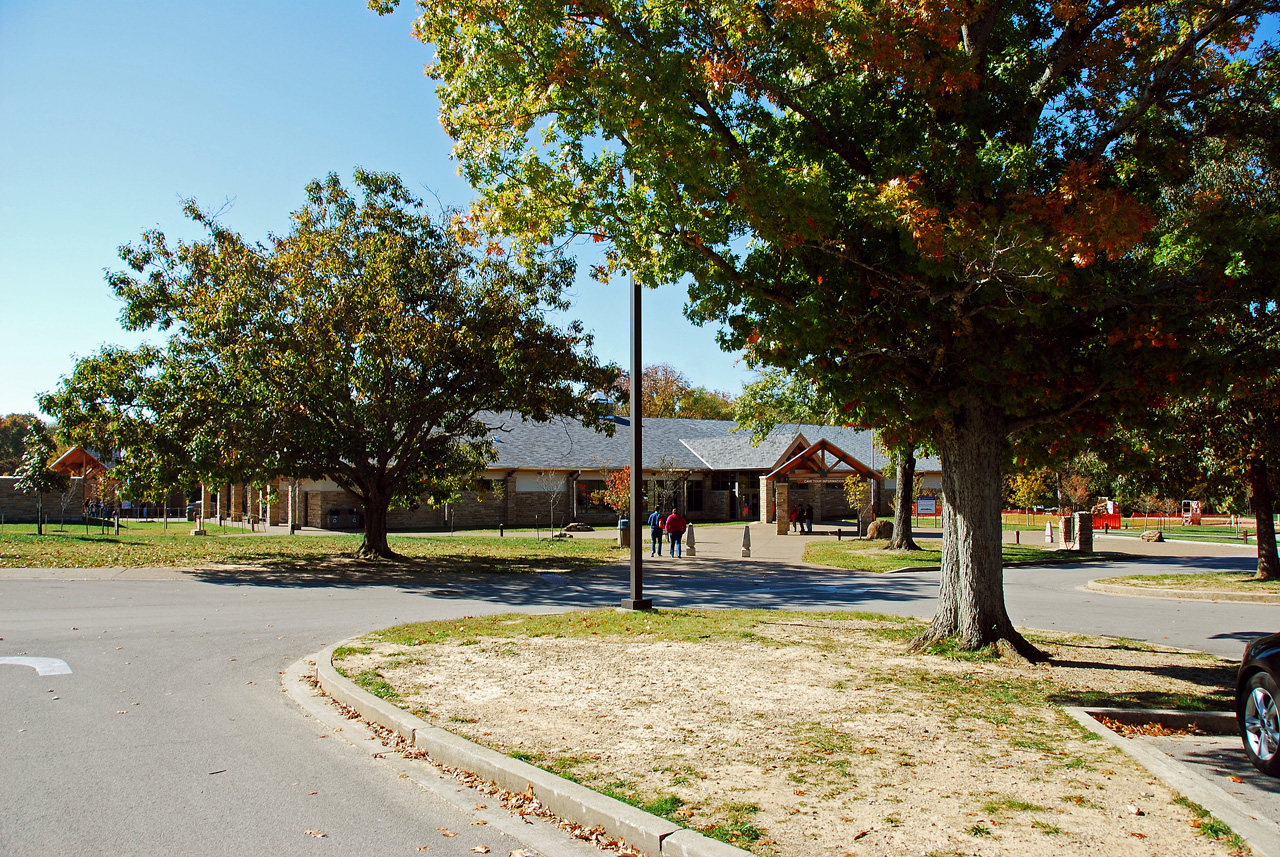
824	736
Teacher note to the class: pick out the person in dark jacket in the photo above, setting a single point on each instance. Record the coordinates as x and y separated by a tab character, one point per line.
655	533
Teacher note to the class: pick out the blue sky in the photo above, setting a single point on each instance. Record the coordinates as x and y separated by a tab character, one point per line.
114	111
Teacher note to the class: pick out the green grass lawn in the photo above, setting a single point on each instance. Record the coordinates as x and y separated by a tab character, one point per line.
148	545
871	556
1173	529
1220	581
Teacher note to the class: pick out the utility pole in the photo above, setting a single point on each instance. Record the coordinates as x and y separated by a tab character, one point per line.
637	601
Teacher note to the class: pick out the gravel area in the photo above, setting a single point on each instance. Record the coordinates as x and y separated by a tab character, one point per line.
825	735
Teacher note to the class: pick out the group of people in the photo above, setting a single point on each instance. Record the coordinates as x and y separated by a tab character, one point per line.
673	525
802	519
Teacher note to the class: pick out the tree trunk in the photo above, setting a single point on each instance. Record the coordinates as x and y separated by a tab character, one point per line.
905	464
971	598
375	527
947	614
1263	510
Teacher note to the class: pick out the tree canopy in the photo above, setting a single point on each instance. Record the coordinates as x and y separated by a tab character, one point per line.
668	393
33	474
941	213
366	345
13	428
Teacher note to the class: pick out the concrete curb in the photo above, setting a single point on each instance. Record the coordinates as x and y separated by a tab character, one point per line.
1232	544
1182	594
1262	835
654	836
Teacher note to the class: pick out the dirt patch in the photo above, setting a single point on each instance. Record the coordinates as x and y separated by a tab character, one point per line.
811	736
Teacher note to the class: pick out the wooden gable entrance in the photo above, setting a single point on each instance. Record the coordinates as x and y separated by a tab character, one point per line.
821	463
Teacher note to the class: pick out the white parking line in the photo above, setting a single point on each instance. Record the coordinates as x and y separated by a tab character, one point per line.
43	666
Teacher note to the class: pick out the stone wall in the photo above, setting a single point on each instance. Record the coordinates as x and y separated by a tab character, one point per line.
17	507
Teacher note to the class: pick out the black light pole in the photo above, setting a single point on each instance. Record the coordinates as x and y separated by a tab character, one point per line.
637	601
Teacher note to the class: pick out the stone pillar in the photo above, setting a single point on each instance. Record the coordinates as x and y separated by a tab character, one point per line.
237	502
766	500
224	501
1066	532
275	508
782	507
208	505
1084	531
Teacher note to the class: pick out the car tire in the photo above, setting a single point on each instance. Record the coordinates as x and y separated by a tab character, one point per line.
1261	733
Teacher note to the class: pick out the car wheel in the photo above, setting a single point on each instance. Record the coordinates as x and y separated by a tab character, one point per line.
1262	724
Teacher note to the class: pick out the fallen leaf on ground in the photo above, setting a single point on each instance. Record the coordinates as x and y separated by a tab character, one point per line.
1236	779
448	834
478	823
481	849
318	834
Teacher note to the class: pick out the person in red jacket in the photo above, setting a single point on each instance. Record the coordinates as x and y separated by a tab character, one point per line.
675	527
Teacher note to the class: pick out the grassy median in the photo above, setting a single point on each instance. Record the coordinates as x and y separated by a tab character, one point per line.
861	555
149	546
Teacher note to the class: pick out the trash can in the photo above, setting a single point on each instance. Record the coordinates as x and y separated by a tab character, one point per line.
624	533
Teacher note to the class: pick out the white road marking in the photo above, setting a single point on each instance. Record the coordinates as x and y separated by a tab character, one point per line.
43	666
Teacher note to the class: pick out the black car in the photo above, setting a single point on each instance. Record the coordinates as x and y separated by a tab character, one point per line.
1257	692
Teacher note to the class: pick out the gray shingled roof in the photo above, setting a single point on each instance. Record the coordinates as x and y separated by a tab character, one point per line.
683	444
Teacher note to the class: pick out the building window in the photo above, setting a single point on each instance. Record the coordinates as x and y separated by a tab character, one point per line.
586	487
695	495
724	482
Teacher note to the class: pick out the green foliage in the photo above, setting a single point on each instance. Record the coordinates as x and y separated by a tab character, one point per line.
779	398
944	219
13	428
370	345
33	473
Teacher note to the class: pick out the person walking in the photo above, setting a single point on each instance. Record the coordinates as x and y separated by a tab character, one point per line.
655	533
808	518
675	526
795	518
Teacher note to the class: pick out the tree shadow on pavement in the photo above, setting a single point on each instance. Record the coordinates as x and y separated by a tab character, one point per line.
1213	683
571	582
325	569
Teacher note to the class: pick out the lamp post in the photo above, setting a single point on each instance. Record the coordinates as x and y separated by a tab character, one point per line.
637	601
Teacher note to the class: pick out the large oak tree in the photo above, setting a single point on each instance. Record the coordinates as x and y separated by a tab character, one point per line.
935	210
366	345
